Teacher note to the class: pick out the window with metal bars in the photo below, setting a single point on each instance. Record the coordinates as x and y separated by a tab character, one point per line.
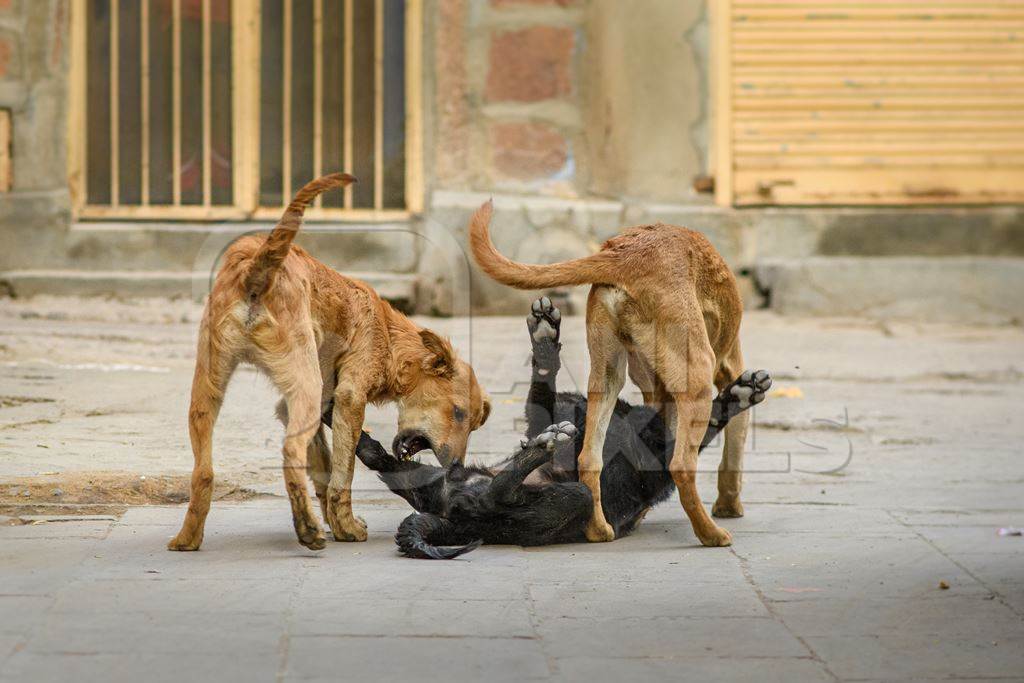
221	109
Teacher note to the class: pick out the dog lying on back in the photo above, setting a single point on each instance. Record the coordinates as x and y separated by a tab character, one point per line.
535	497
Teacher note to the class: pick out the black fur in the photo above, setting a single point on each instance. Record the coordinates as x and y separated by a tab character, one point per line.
463	506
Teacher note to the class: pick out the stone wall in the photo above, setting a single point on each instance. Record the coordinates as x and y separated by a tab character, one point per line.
33	61
570	98
579	115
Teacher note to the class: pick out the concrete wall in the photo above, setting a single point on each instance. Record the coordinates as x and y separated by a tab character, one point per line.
33	86
583	116
569	98
645	99
579	115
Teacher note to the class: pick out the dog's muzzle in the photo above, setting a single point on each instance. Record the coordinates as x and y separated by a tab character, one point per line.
409	442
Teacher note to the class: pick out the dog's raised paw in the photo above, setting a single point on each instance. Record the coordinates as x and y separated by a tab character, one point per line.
553	436
545	321
750	388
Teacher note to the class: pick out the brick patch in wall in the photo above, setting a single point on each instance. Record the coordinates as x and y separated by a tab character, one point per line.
527	150
530	64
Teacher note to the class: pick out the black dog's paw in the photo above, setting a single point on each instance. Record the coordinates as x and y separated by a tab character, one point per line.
372	454
544	322
553	436
747	391
750	388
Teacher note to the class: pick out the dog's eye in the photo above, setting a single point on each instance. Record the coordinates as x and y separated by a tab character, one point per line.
459	414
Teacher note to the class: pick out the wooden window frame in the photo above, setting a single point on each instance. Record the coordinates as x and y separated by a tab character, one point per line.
245	27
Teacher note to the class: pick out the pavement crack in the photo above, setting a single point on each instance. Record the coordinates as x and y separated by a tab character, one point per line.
749	578
284	642
531	610
998	596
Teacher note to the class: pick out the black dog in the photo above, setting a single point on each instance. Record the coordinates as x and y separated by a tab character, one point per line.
535	497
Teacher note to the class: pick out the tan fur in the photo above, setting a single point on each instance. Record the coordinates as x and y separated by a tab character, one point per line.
665	308
318	335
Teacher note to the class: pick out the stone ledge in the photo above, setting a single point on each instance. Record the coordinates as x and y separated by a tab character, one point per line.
984	290
163	246
398	288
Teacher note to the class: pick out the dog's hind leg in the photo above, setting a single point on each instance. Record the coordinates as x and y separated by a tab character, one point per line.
730	469
294	369
214	365
318	457
685	362
607	377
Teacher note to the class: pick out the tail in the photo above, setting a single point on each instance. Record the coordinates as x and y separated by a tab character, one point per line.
417	533
598	268
271	255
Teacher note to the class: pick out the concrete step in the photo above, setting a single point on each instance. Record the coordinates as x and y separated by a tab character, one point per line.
125	246
398	288
966	289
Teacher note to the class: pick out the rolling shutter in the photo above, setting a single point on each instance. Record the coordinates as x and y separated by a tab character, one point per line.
870	101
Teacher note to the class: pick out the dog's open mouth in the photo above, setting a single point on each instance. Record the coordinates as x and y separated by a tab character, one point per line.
410	446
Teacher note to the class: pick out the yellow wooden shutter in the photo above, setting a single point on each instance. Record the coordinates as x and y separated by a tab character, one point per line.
870	101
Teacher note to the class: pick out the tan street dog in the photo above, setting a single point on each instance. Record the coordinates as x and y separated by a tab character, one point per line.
320	336
664	305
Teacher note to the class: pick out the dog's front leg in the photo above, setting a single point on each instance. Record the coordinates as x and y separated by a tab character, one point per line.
347	419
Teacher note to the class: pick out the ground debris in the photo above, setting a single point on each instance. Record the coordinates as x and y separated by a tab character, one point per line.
93	492
787	392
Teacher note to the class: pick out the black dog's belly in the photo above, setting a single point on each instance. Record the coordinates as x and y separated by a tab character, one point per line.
635	474
548	514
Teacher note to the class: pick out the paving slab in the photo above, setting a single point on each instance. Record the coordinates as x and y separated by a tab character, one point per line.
879	473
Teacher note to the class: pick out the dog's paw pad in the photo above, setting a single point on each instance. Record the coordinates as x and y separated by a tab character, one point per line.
763	381
742	394
750	388
556	434
544	321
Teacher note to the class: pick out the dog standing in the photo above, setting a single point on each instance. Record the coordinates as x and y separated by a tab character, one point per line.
320	336
664	306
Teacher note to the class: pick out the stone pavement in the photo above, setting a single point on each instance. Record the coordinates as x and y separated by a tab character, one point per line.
882	469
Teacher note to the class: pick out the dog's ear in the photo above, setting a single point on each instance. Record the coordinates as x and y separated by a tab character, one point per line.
440	358
485	412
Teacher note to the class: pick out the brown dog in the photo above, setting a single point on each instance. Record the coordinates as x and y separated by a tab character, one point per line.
320	336
664	305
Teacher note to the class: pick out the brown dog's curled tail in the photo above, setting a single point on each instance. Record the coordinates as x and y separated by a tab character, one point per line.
273	252
598	268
